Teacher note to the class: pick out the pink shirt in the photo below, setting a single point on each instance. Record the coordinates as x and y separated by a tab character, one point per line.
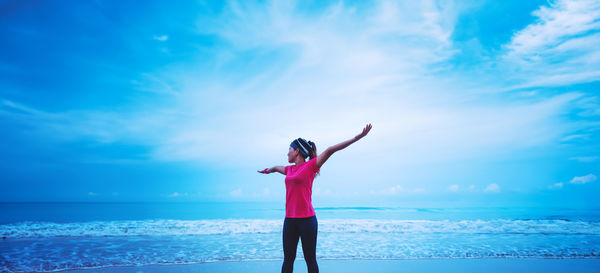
298	189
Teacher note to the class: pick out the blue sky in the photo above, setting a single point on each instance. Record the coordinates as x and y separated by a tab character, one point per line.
472	102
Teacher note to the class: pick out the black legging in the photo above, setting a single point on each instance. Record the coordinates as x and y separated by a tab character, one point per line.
305	228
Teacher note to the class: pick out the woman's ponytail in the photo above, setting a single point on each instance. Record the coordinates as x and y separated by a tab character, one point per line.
313	152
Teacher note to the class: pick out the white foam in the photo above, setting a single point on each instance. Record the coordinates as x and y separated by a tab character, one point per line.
40	247
241	226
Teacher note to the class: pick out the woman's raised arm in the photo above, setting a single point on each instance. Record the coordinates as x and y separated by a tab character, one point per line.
329	151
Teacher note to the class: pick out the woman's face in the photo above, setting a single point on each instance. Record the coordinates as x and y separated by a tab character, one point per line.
292	153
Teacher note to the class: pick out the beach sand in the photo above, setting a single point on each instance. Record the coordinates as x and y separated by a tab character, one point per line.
487	265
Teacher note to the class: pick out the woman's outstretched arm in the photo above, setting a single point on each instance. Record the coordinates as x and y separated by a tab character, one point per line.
329	151
279	169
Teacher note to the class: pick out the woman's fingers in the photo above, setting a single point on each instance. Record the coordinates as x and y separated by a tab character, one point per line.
365	131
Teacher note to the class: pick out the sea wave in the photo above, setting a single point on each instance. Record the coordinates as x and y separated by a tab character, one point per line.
47	247
261	226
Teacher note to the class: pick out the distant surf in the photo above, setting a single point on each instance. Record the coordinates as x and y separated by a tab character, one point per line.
45	237
31	229
47	246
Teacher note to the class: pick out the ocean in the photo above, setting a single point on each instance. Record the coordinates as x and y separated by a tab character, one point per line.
46	237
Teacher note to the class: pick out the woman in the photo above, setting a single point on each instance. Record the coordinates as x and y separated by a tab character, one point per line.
300	219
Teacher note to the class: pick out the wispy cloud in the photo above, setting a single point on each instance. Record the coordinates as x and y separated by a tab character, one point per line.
560	47
161	38
492	188
320	192
583	179
558	185
584	158
236	193
394	189
177	194
96	125
398	190
575	137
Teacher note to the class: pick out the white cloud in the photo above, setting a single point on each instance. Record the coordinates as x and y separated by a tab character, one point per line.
471	188
317	191
492	188
397	189
453	188
236	193
319	35
266	191
177	194
388	191
575	137
584	158
153	84
562	20
560	47
558	185
92	193
583	179
161	38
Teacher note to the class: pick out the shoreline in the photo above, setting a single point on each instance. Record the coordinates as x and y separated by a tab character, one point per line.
496	264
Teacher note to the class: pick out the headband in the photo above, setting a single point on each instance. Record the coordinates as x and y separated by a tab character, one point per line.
301	145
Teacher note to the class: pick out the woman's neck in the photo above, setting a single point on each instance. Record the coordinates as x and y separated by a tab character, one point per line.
299	161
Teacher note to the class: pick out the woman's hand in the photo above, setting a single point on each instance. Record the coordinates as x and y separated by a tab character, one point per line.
265	171
364	132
